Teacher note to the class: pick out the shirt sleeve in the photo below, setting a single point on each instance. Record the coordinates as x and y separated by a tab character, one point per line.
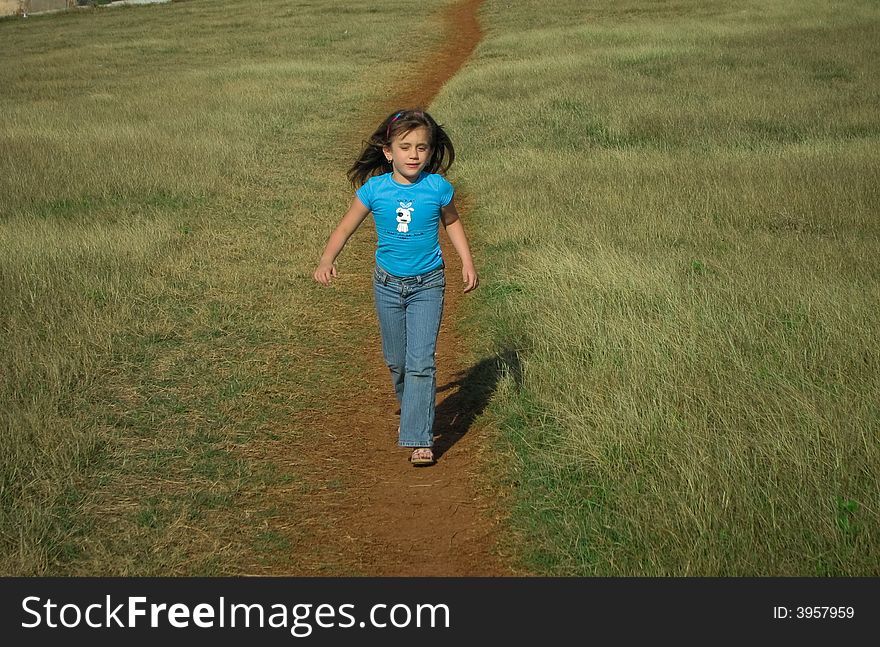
365	195
447	191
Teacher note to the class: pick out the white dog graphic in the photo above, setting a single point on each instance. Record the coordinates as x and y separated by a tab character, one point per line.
404	216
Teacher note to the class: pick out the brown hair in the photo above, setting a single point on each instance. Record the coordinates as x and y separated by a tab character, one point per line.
372	160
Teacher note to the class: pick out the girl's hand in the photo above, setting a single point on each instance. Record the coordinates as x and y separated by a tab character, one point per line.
324	273
469	275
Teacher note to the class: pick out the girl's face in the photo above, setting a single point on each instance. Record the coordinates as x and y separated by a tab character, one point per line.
408	154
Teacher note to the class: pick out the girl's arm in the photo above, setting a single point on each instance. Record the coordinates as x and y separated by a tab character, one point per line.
452	222
352	219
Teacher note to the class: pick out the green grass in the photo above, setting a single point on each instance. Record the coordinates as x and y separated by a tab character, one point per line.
675	222
677	225
169	175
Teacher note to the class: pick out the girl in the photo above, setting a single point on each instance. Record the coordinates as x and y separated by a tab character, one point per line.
397	179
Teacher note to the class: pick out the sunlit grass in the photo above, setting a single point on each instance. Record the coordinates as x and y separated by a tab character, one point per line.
168	176
677	218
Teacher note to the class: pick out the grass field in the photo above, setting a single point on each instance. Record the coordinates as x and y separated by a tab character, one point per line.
168	178
675	222
678	221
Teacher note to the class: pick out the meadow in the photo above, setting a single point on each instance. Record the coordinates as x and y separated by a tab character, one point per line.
674	211
168	177
677	216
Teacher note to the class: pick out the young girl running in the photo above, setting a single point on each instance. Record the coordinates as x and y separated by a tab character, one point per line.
398	179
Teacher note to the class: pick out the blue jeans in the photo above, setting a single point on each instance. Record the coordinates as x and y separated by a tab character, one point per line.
409	311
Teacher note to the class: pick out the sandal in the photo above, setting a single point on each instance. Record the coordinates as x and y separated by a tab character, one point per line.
422	456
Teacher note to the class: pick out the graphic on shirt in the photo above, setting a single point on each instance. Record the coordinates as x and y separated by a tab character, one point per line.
404	216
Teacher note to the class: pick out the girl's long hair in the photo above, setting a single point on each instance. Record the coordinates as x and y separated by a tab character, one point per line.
372	160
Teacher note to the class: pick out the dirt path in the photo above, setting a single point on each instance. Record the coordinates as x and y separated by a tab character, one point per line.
428	521
381	516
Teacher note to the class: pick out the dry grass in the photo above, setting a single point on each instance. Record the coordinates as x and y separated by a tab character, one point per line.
169	175
677	216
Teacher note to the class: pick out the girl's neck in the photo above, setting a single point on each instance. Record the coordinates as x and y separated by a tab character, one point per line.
400	179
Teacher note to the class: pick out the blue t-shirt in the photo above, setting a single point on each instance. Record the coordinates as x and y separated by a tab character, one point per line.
407	218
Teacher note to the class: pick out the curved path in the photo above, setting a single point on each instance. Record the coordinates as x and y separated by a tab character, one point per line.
383	517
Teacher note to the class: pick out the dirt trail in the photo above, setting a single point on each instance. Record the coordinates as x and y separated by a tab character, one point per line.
425	521
389	518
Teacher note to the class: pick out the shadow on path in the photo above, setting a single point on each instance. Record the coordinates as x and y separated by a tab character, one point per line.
473	390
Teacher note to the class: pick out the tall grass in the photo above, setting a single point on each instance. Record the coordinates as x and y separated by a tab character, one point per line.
677	220
168	176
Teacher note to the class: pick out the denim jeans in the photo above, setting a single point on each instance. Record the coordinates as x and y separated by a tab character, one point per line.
409	311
